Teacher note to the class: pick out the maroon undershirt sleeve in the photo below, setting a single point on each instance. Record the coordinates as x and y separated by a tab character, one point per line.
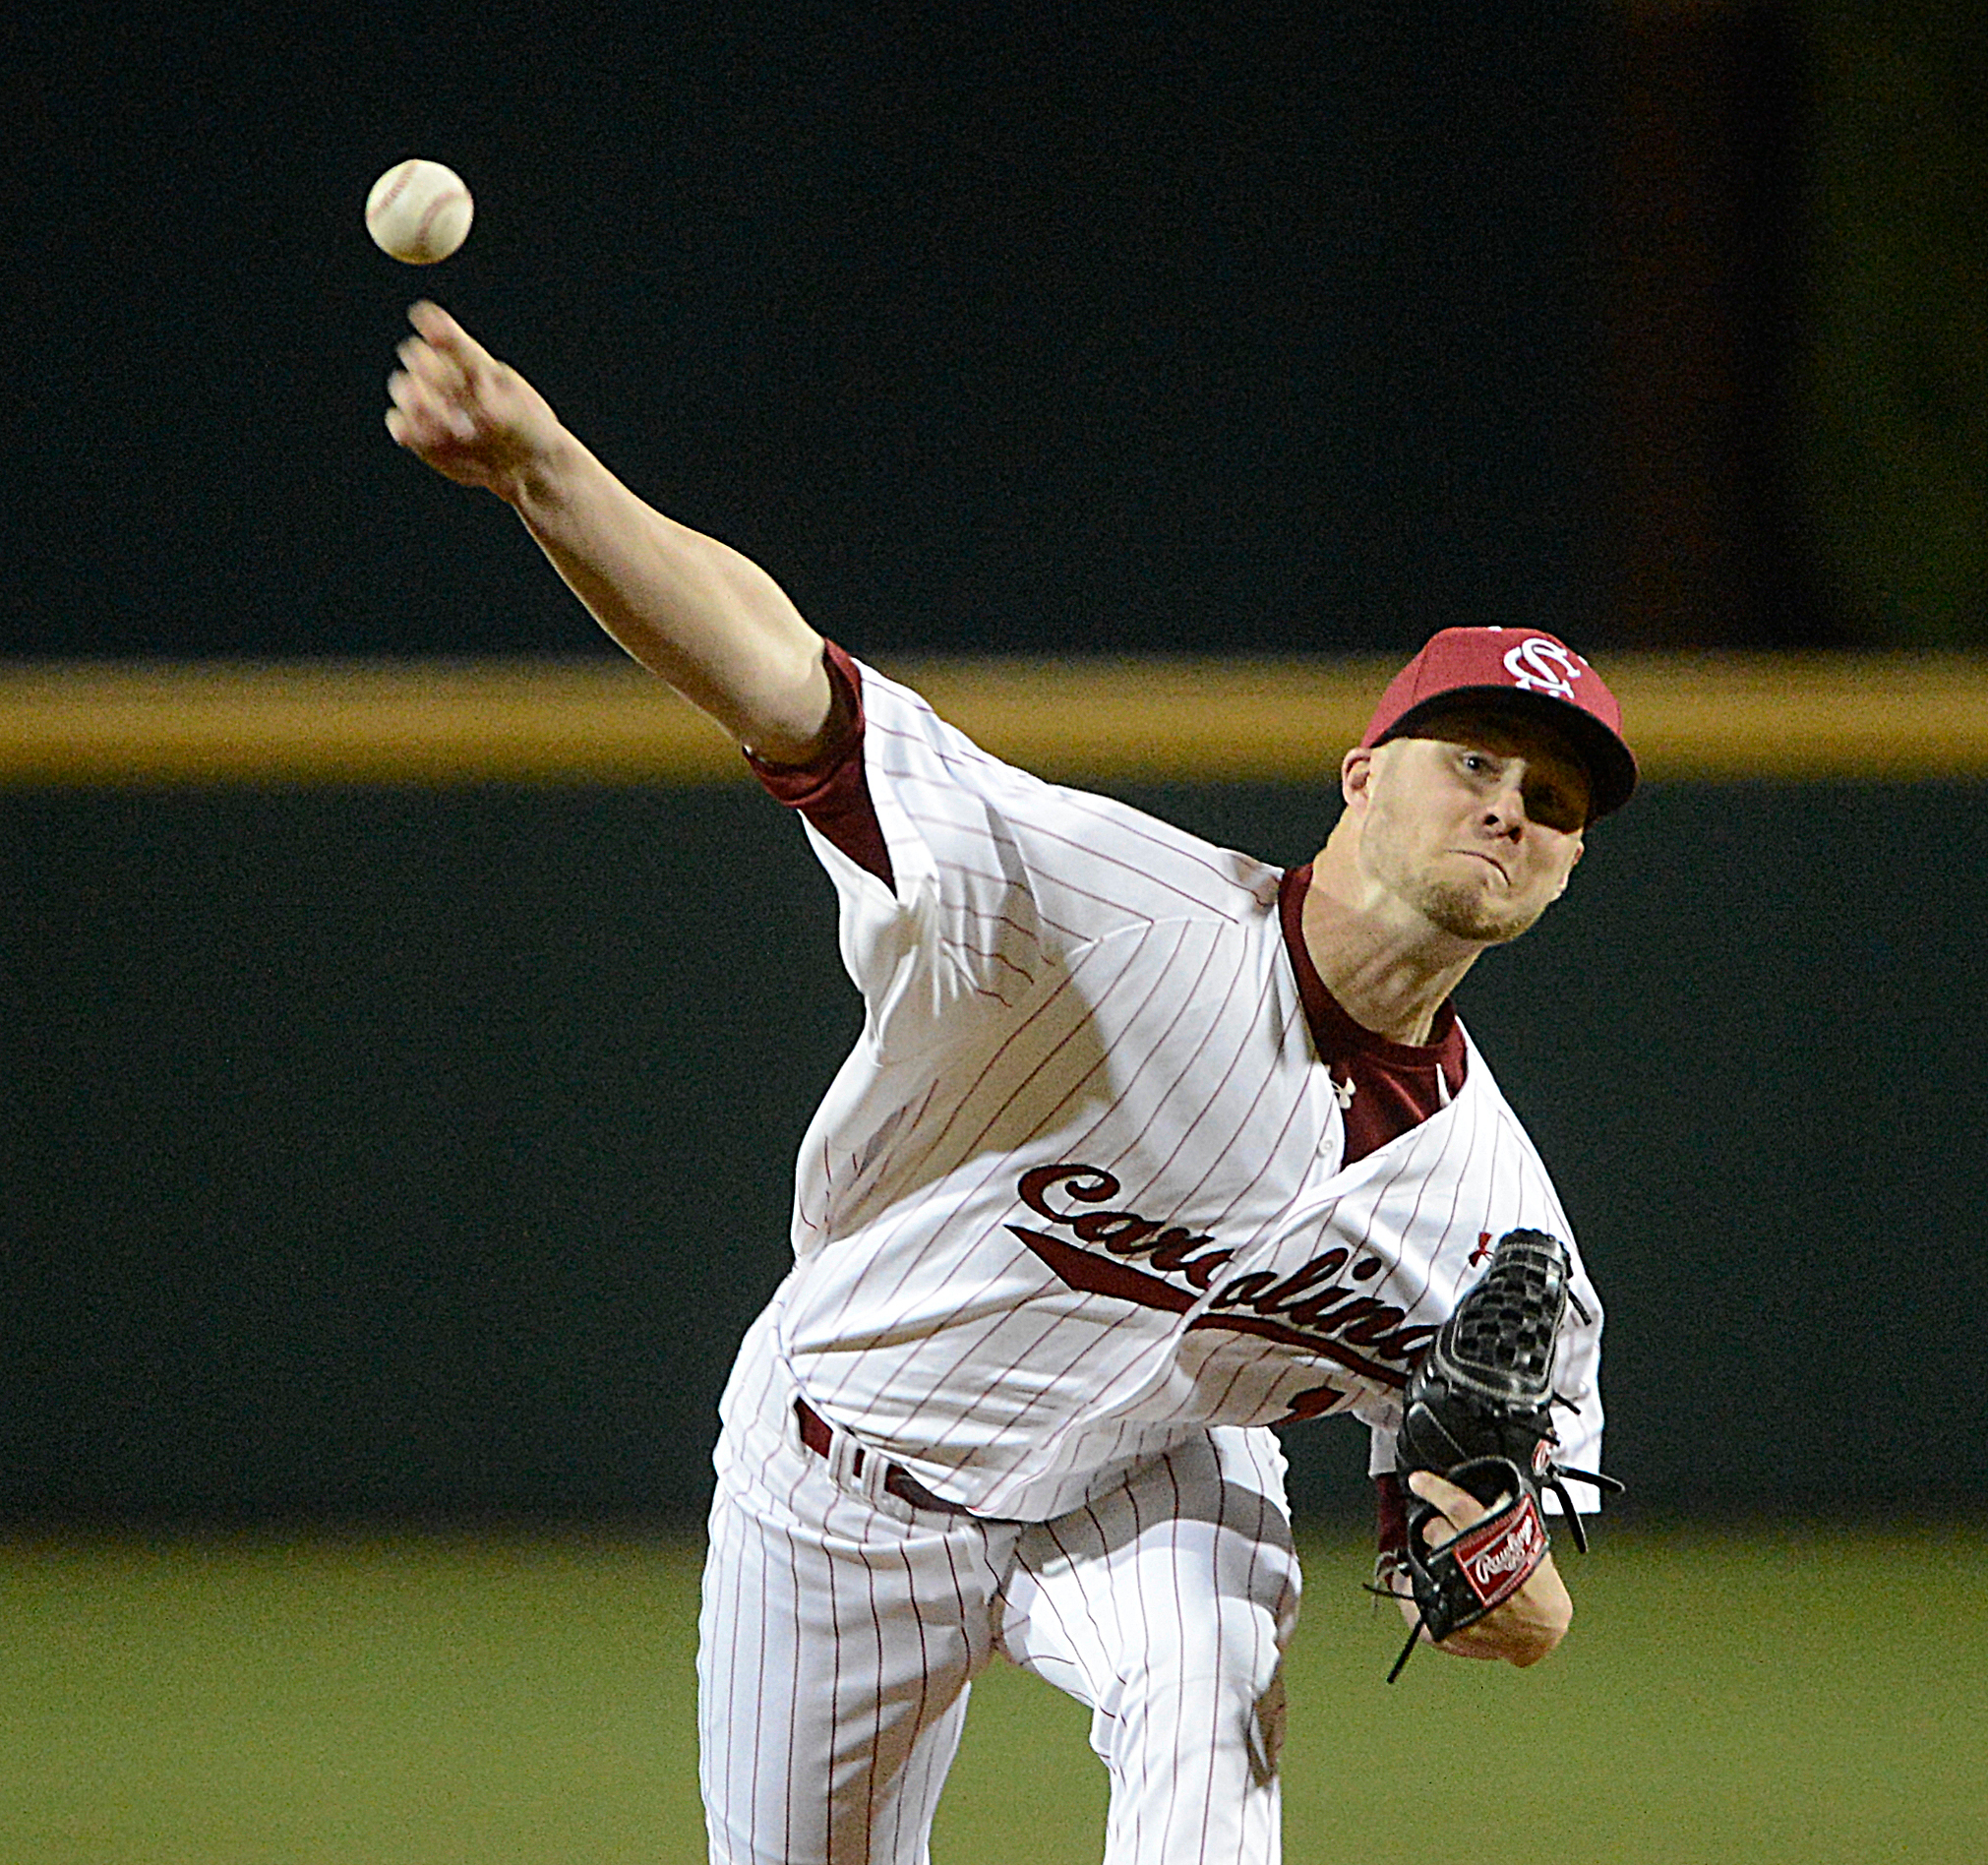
1391	1513
832	790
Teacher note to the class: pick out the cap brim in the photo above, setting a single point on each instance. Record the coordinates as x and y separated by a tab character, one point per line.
1611	765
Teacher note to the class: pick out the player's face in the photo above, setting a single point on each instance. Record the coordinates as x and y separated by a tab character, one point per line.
1477	826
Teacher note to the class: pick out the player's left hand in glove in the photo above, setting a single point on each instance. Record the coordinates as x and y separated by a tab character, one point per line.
1532	1611
1478	1413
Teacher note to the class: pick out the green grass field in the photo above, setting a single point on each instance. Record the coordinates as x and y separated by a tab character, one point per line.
1812	1696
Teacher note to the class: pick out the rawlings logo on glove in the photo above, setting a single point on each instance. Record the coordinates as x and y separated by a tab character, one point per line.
1497	1558
1478	1412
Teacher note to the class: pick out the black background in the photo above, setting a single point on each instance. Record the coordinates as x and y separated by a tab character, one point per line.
1000	328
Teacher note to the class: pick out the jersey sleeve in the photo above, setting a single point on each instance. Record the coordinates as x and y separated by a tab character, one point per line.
965	886
832	790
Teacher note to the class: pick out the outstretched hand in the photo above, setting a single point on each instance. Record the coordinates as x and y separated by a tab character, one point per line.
473	419
1528	1625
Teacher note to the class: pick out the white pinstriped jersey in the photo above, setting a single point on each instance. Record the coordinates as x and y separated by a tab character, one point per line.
1078	1191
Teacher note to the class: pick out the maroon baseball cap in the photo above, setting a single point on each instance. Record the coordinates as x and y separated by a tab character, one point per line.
1522	672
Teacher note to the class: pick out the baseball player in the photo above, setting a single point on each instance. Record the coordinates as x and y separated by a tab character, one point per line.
1145	1147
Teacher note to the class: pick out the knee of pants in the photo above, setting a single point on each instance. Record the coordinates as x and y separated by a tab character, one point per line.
1190	1689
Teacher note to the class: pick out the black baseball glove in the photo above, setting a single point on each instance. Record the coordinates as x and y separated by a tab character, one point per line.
1479	1410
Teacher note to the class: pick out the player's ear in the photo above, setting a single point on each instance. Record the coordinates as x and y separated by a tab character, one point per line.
1356	775
1580	849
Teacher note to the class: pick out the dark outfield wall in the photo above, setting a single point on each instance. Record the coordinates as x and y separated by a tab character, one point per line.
382	1152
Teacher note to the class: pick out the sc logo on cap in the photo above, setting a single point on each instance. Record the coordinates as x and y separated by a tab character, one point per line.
1541	665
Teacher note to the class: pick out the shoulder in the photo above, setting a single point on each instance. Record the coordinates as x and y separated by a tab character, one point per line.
1080	840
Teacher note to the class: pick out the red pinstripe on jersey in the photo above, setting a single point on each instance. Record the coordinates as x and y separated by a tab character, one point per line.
1394	1086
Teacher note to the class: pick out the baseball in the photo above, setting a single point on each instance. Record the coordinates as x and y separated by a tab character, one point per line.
419	211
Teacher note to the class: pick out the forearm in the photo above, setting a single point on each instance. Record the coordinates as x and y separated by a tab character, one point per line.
716	627
707	620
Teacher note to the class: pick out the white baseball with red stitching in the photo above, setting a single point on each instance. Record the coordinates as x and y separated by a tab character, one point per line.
419	211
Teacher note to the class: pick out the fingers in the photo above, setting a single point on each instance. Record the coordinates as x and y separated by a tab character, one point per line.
436	371
437	387
446	378
426	411
471	418
1436	1489
449	337
1461	1507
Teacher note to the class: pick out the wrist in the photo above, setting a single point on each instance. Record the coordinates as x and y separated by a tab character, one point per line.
540	483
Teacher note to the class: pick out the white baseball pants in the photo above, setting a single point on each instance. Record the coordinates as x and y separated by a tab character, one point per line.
842	1629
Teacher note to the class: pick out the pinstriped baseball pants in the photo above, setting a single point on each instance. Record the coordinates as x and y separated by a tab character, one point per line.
841	1633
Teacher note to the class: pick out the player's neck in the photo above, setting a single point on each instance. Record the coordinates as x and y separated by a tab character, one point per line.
1387	967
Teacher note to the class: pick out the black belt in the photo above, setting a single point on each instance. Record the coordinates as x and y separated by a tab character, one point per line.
817	1436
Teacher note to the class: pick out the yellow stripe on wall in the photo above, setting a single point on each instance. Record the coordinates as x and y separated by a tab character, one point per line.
1724	716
